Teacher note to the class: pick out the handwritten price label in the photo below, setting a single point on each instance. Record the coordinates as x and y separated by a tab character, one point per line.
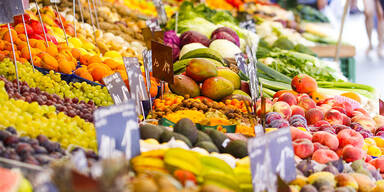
162	62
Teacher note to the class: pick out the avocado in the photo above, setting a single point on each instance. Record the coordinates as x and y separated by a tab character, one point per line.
187	128
207	145
148	131
218	138
237	148
167	135
201	136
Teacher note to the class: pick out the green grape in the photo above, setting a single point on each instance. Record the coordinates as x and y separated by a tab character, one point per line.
52	83
31	119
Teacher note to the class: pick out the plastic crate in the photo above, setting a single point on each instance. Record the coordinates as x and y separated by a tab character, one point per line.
348	67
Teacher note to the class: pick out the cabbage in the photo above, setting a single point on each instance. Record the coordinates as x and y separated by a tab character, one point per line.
193	37
226	48
190	47
197	24
226	33
170	37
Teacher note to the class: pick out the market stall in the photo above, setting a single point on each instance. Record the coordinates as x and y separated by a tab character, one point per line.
180	96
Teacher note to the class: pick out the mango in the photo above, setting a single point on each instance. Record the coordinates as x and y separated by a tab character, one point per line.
184	85
231	76
200	69
217	88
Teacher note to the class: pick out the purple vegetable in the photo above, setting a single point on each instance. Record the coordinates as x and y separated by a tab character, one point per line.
171	37
226	33
175	51
193	37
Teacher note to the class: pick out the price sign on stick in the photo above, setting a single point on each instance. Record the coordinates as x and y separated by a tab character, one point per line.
271	155
117	130
162	62
17	7
116	88
249	25
136	82
26	4
5	13
161	14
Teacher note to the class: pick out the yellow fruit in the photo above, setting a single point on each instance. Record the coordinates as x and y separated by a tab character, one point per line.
373	150
322	175
302	128
365	147
75	42
300	181
379	186
379	141
112	54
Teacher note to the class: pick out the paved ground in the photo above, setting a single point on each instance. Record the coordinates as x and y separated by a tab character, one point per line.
369	68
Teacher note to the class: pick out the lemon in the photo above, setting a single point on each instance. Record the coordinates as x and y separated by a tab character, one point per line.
112	54
374	151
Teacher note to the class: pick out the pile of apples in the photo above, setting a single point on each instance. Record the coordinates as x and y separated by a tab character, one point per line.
326	129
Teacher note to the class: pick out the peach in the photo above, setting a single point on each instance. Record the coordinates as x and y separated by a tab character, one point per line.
351	153
347	107
340	109
317	146
281	92
303	83
299	134
344	179
365	121
283	108
363	111
321	122
288	98
306	103
327	139
346	120
325	107
314	115
350	137
379	120
324	156
378	163
334	117
303	148
297	110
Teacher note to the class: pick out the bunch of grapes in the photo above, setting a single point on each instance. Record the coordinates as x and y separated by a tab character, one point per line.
32	119
70	107
53	84
39	151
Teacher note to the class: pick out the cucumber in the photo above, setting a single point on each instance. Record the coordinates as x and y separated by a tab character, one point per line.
204	53
273	73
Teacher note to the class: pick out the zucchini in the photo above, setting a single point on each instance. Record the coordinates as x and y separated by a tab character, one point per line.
273	73
274	85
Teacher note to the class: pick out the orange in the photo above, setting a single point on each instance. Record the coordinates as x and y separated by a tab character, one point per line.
94	65
21	44
22	37
33	42
86	75
76	53
66	66
52	50
84	59
40	45
94	59
49	62
6	36
99	72
25	53
352	95
112	63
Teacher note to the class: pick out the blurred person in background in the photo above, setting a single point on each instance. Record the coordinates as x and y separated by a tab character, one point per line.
370	8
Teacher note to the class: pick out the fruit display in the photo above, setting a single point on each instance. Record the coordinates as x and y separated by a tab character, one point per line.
230	84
